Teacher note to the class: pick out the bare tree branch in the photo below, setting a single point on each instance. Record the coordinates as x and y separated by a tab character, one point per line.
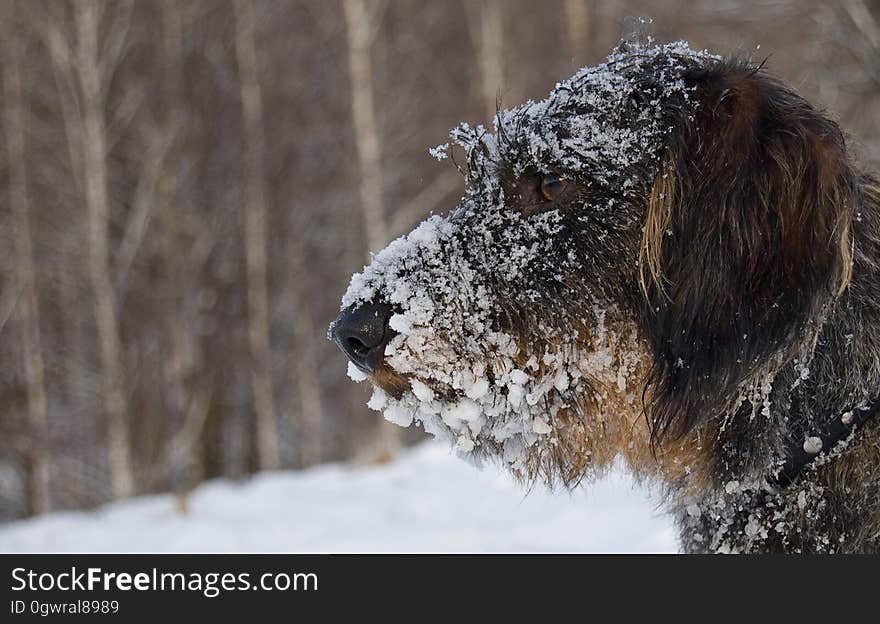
117	41
8	304
144	202
864	20
50	28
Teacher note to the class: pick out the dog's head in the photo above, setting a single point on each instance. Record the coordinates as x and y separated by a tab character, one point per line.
659	236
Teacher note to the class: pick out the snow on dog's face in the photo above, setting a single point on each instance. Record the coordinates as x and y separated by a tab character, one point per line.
512	327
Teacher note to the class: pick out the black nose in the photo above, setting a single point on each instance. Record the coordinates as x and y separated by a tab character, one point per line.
360	332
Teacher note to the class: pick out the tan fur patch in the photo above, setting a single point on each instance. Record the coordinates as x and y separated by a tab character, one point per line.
660	202
606	421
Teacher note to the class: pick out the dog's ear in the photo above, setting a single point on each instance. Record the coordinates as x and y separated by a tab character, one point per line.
746	239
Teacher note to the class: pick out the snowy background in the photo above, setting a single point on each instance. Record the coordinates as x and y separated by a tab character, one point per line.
425	501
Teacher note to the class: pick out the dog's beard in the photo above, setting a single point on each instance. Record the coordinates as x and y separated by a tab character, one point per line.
509	404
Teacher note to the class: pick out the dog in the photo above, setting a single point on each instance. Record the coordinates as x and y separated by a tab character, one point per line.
672	261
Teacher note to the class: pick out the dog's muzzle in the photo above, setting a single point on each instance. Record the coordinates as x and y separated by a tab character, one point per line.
362	332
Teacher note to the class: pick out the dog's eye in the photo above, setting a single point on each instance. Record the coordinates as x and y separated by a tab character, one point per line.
551	186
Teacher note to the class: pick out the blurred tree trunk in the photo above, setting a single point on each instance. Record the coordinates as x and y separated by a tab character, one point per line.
360	29
92	69
25	270
73	285
360	32
487	32
255	235
308	417
578	23
188	400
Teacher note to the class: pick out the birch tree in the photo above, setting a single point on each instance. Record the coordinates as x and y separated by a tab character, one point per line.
91	71
360	29
487	32
255	235
578	23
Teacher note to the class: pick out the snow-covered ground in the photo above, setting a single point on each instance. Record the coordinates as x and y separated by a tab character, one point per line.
425	501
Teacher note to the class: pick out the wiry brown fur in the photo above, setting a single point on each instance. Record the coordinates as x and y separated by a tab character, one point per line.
753	208
761	252
759	232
